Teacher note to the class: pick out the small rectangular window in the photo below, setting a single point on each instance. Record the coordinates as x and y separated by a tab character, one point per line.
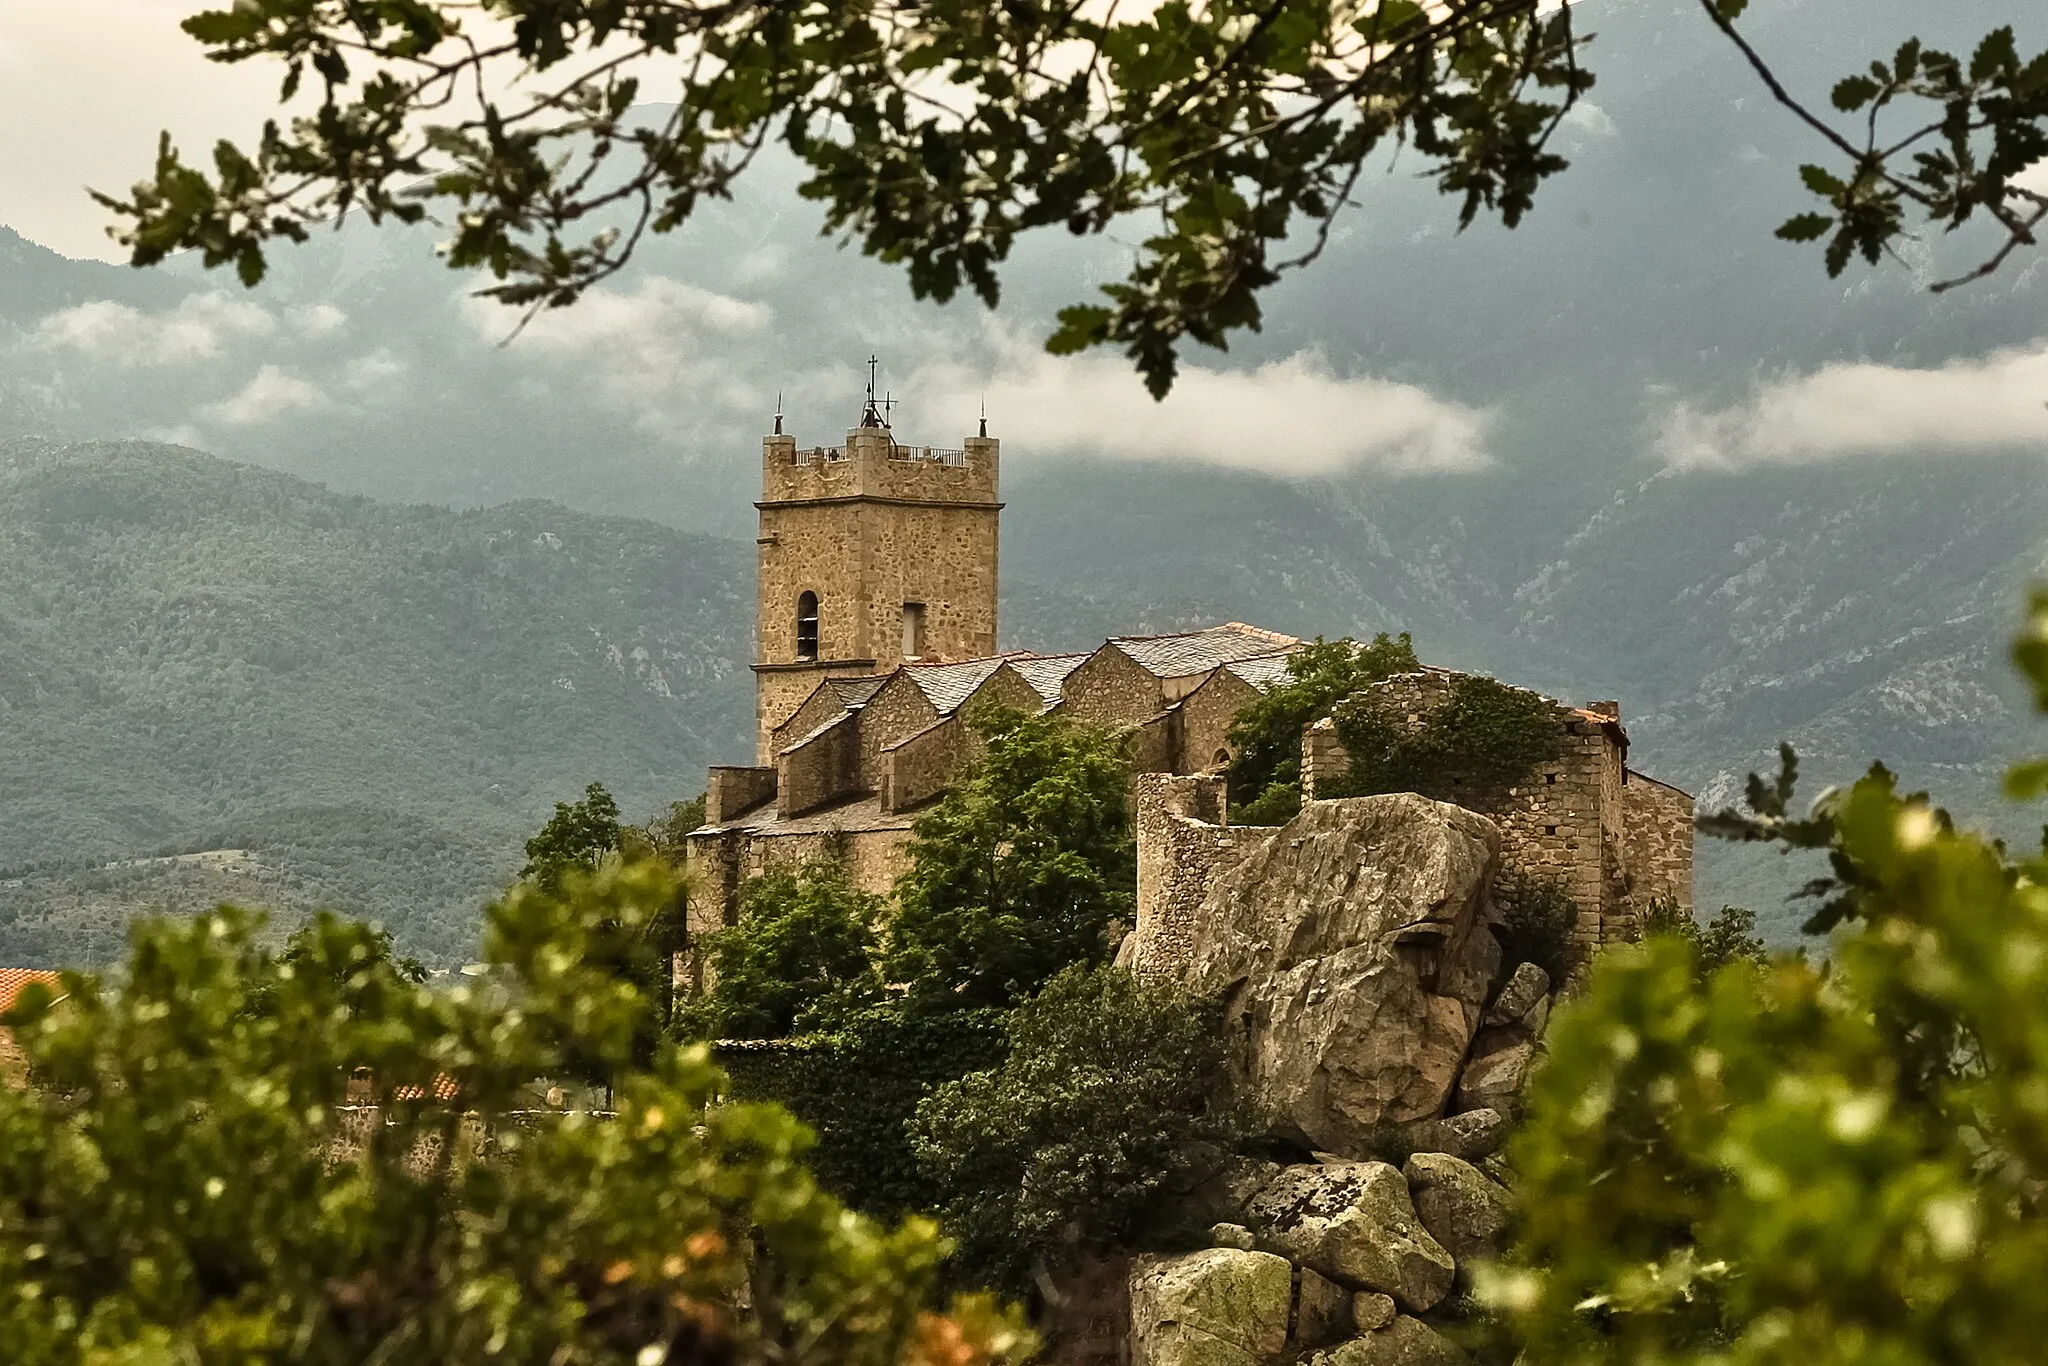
1550	830
913	630
1550	780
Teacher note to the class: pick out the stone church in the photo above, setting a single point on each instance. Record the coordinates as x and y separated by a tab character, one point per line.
876	636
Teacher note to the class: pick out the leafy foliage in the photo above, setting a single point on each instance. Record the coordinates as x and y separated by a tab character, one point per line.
1538	920
1486	737
1265	739
934	135
1781	1161
1020	869
858	1084
799	958
1727	938
576	837
187	1181
1981	125
1111	1087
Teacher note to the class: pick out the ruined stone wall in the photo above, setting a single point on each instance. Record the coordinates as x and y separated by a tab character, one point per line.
919	767
1564	823
1182	846
1206	717
1658	847
821	768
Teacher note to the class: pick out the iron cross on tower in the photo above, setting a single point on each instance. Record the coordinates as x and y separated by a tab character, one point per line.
878	410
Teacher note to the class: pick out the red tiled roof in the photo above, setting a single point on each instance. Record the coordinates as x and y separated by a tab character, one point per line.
14	980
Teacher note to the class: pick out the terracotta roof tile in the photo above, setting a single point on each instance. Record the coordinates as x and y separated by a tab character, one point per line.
14	980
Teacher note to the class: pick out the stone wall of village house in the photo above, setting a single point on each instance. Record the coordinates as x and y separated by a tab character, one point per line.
1568	822
1658	820
1183	844
919	767
1205	719
822	768
722	862
1110	689
821	706
897	712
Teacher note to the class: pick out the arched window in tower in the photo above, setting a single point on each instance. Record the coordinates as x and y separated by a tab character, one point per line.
807	626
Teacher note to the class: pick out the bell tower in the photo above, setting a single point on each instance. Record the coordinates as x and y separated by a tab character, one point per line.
871	553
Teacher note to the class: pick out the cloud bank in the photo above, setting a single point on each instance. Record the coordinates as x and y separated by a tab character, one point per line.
1991	405
1293	417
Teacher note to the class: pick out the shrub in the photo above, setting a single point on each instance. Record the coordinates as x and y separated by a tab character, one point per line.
1265	739
857	1087
1486	737
185	1182
1019	869
1729	937
1538	920
1111	1084
798	958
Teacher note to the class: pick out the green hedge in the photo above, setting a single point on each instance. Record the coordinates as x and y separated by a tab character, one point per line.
858	1087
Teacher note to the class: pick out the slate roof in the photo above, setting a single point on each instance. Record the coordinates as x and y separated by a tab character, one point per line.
1045	673
1194	652
947	686
860	814
855	693
1263	672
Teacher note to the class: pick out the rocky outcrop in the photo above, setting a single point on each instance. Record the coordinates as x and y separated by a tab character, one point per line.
1216	1307
1462	1207
1353	1224
1322	1312
1404	1342
1352	951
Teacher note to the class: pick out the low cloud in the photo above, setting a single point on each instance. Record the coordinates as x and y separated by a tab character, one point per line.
1294	417
1588	117
661	352
271	396
201	327
1861	410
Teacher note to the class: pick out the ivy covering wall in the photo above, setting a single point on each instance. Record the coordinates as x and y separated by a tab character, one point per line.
1485	738
858	1086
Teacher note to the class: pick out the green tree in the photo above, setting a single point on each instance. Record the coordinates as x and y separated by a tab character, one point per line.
1265	739
1802	1161
186	1181
1728	937
1112	1090
938	134
1019	869
799	959
578	835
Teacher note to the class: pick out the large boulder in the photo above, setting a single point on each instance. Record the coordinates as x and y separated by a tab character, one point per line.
1493	1076
1353	1224
1353	954
1473	1135
1460	1205
1404	1342
1216	1307
1322	1312
1526	994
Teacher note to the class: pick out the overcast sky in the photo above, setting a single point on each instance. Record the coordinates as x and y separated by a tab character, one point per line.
85	87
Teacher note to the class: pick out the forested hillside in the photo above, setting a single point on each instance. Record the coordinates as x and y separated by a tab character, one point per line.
366	704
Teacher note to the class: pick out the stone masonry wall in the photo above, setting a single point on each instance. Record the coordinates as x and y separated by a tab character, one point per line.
819	769
1182	846
919	767
1110	689
1658	819
1564	823
899	711
1206	715
870	527
731	790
